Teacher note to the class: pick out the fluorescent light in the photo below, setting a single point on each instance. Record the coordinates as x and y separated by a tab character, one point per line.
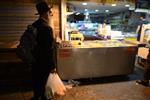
106	10
84	3
96	10
127	5
113	5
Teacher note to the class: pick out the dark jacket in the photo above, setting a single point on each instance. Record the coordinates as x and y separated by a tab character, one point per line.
44	51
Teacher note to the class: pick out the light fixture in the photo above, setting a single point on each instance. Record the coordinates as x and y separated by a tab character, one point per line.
84	3
106	10
96	10
113	5
127	5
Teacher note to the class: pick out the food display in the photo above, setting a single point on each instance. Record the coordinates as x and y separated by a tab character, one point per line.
95	44
108	43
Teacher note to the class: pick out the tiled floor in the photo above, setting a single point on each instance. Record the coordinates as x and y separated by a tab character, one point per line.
109	91
107	88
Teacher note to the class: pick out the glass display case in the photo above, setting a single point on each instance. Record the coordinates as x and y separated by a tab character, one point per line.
103	58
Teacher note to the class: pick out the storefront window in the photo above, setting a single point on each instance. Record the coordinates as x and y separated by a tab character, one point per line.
96	20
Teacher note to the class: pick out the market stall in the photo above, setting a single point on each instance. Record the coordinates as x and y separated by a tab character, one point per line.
95	59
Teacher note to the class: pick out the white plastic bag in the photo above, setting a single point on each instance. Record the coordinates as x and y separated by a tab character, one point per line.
54	85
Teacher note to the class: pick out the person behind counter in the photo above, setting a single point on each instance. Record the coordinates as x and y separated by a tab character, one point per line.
44	51
103	30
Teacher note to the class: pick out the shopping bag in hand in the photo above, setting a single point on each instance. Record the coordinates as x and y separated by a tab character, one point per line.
55	84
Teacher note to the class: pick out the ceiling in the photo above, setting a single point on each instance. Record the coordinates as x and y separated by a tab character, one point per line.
77	6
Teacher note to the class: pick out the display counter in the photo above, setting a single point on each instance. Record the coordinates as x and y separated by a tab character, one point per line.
93	59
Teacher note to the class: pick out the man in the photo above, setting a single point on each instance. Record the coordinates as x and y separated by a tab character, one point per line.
145	82
146	79
44	51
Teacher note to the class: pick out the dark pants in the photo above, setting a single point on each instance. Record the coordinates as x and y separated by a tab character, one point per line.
147	68
39	77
